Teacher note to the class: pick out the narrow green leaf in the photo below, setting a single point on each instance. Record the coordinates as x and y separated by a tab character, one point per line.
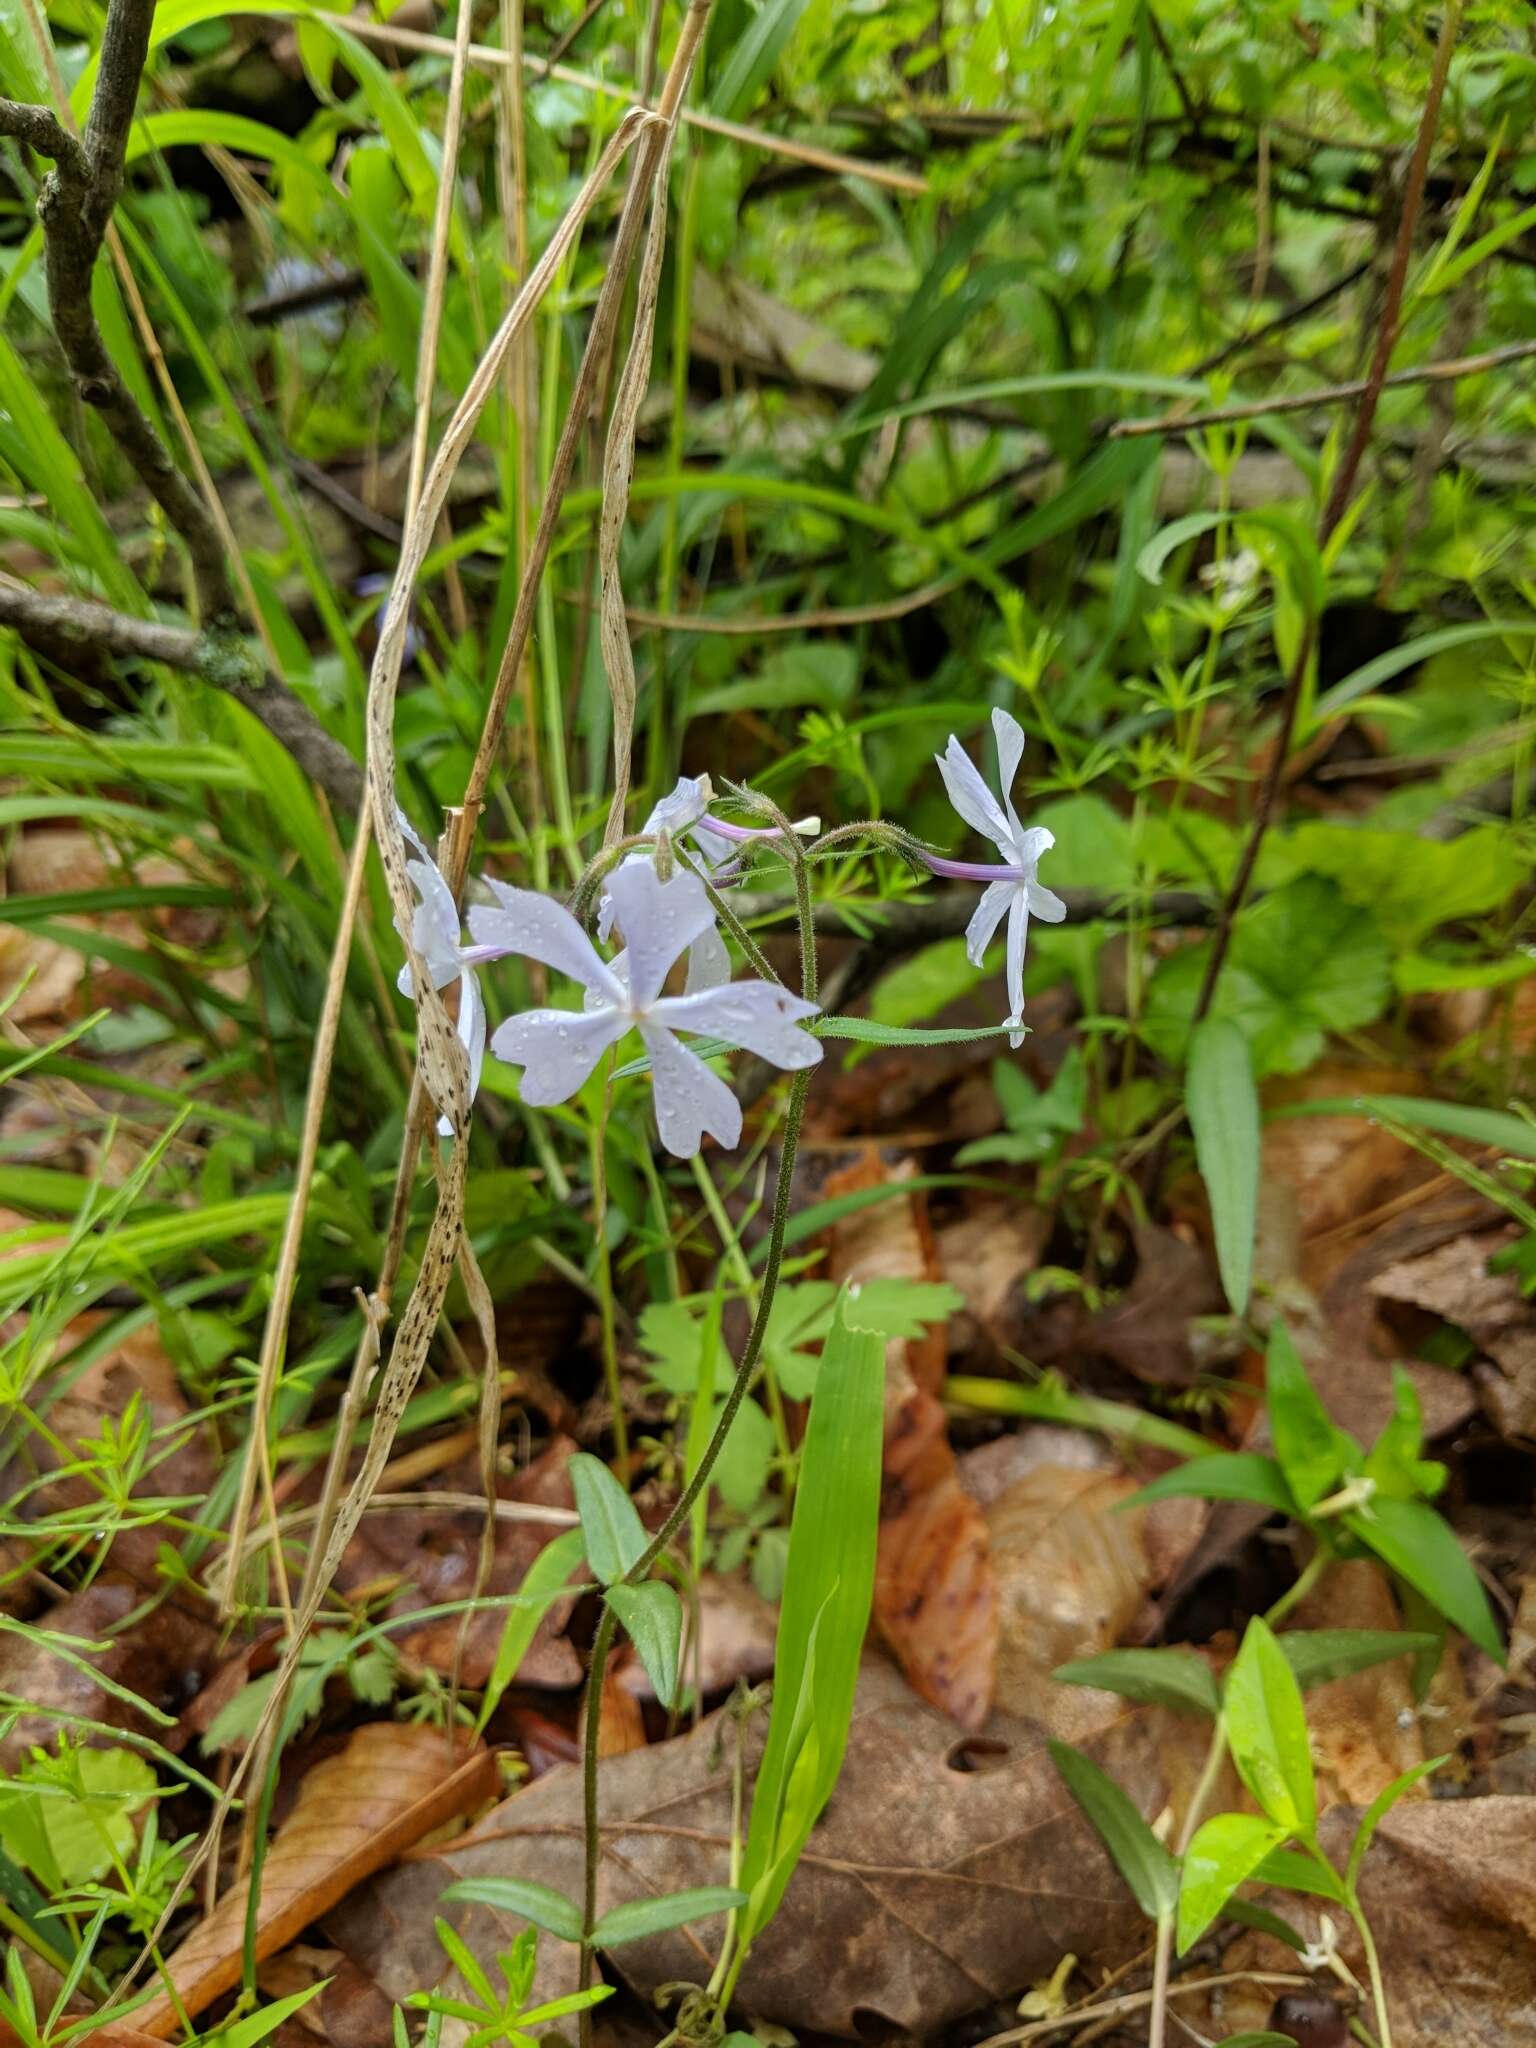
1223	1475
1224	1116
1291	1871
1246	1914
258	2025
1156	1678
542	1584
1380	1807
1149	563
755	57
1320	1654
1410	654
1266	1724
1139	1856
1225	1852
1049	1399
1117	28
1513	1134
867	1032
828	1588
652	1614
615	1535
540	1903
640	1917
1421	1547
1310	1448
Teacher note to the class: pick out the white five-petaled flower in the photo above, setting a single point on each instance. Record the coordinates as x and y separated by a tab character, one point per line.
558	1049
709	964
436	937
1013	891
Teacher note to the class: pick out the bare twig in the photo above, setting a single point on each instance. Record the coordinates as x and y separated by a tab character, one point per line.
1288	317
75	208
810	153
1340	495
1330	394
65	628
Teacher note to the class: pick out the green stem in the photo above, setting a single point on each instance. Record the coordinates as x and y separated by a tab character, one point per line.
1306	1579
746	1280
599	1151
1373	1965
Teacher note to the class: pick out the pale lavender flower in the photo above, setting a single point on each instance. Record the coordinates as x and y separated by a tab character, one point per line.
1012	890
709	964
436	937
559	1049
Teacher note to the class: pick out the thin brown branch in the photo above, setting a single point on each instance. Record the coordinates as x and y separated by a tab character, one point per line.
75	208
1330	394
66	628
40	129
809	153
1340	495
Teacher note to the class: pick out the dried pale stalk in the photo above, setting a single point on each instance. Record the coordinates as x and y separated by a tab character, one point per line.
486	54
275	1333
441	1064
605	317
618	474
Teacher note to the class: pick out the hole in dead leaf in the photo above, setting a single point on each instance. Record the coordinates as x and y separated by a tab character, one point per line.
875	2029
976	1753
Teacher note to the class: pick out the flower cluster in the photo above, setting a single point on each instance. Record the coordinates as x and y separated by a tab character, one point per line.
659	918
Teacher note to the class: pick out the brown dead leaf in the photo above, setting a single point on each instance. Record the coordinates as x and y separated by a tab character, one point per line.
1449	1890
1364	1729
943	1875
736	1633
1453	1282
1334	1175
438	1557
935	1590
64	980
988	1254
935	1601
1071	1575
621	1728
890	1240
1149	1332
356	1812
159	1659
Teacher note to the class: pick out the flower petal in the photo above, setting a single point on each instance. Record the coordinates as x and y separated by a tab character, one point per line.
658	919
435	926
971	796
758	1015
557	1049
1009	735
471	1029
522	921
683	806
986	918
1018	930
690	1100
1045	903
709	964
